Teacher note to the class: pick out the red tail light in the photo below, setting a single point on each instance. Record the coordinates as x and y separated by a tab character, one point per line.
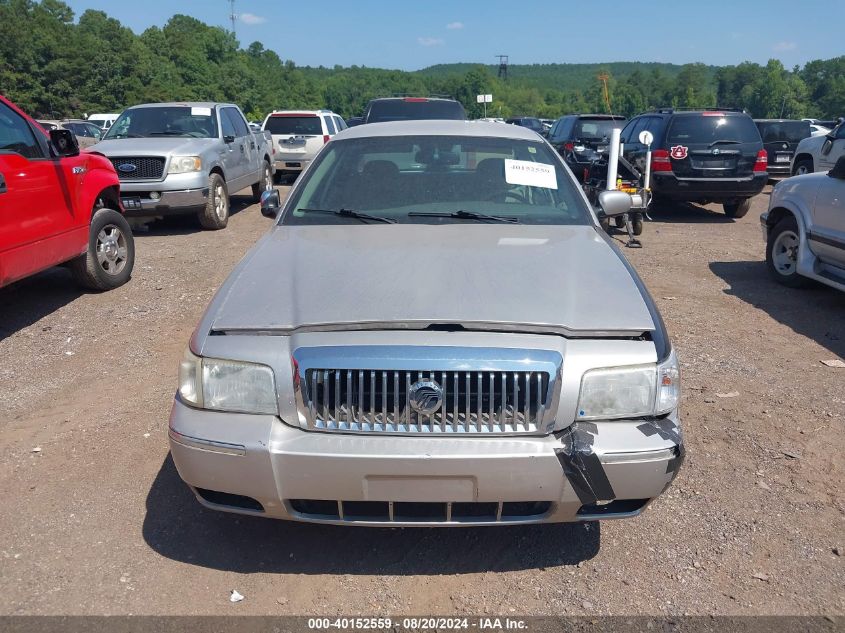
326	138
569	146
660	161
762	162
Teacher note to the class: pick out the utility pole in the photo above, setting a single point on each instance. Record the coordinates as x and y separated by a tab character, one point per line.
603	77
232	15
503	66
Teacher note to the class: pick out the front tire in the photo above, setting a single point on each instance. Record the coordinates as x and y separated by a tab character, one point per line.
265	183
782	251
110	257
737	210
803	166
215	215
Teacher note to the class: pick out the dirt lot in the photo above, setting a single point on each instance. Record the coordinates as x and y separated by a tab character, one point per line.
96	521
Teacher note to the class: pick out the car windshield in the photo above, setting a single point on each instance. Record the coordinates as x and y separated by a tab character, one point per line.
194	122
98	122
783	131
595	129
436	180
709	127
304	125
414	109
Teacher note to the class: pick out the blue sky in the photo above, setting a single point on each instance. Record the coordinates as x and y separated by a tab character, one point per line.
413	35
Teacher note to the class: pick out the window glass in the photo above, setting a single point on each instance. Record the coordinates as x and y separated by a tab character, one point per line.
410	109
226	124
704	129
237	120
330	125
307	125
341	124
783	131
395	176
595	129
159	121
15	135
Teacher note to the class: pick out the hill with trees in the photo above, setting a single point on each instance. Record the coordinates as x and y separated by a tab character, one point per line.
55	65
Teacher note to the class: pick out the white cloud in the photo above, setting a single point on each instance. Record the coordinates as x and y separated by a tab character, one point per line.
251	18
454	26
785	46
430	41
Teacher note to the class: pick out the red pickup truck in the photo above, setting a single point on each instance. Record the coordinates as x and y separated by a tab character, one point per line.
58	206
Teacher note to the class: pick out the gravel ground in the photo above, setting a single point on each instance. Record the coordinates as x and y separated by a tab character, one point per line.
96	520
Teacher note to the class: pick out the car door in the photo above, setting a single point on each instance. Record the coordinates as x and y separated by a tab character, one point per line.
246	148
827	233
233	154
36	201
832	149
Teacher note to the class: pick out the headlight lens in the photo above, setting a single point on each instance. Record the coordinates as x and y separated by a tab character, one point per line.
227	385
630	392
184	164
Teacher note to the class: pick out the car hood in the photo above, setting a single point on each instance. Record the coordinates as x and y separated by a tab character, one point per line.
153	146
556	279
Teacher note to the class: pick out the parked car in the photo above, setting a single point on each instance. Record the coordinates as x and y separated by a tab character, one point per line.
391	366
582	138
818	130
819	153
58	206
530	122
413	109
103	121
255	127
780	139
700	156
87	134
298	135
804	229
186	158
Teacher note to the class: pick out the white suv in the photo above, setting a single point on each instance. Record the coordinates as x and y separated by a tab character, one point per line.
299	134
819	153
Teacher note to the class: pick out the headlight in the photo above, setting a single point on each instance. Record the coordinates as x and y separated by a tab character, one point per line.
630	392
227	385
184	164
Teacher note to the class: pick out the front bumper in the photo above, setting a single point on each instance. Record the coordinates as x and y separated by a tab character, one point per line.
255	464
137	200
291	164
669	186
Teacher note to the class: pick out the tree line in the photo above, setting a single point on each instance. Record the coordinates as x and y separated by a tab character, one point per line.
54	65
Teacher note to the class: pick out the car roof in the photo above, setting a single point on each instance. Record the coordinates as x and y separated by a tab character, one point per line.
413	99
314	112
182	104
438	127
781	121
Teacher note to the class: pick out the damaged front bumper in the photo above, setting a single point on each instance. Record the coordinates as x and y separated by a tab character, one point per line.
255	464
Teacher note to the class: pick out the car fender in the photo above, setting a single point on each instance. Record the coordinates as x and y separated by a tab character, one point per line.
796	206
99	180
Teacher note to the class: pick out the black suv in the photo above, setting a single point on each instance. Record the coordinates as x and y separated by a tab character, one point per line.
581	138
412	108
700	156
780	139
530	122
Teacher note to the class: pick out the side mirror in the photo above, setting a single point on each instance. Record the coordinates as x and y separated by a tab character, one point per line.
64	142
270	204
838	170
228	139
613	203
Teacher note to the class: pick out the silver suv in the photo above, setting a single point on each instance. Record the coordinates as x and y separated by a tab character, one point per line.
298	135
435	332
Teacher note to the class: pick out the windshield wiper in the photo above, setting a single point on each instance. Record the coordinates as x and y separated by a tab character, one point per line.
351	213
723	141
465	215
170	133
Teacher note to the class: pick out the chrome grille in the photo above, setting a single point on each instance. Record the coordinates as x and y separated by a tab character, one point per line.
146	167
494	399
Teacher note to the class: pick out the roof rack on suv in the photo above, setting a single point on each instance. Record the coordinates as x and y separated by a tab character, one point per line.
671	109
418	95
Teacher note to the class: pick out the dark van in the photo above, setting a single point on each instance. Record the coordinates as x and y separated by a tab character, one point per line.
780	139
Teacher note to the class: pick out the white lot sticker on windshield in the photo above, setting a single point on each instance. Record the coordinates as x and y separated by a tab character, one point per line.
200	111
526	172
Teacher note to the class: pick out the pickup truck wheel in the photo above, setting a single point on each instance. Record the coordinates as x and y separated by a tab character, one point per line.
215	215
803	166
108	261
737	209
265	183
782	249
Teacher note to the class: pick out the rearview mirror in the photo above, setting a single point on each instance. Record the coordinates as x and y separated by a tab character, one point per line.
838	170
613	203
270	203
64	142
228	139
